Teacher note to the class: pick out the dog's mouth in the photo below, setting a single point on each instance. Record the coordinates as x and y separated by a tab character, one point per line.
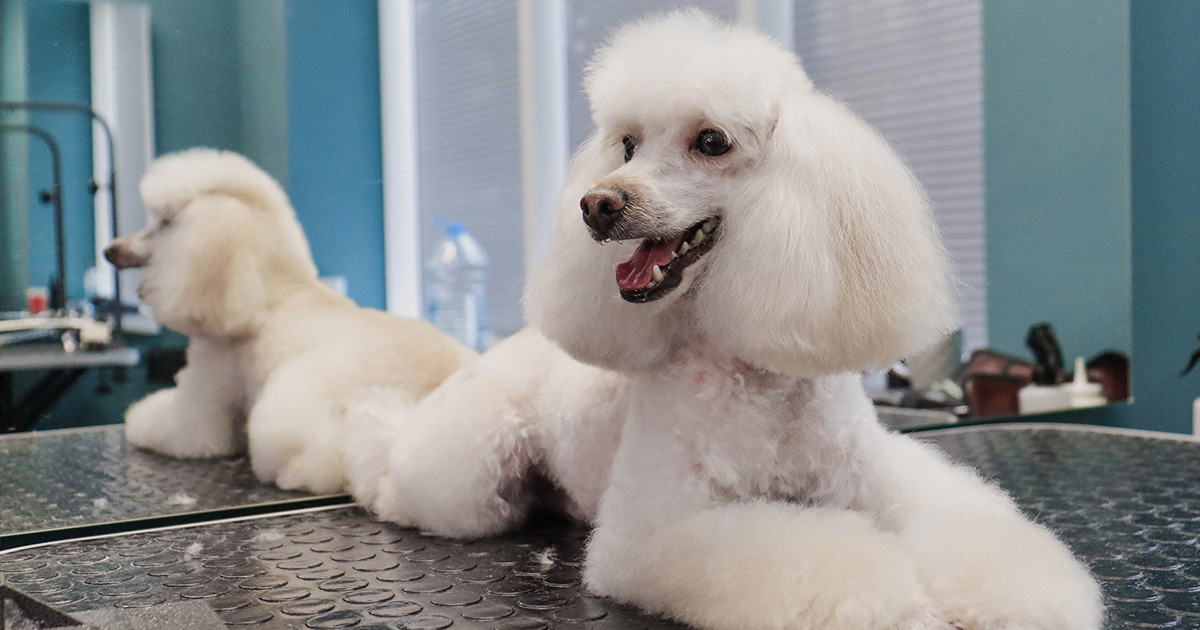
656	268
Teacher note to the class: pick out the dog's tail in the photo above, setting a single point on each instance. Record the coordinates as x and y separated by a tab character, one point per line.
173	181
372	421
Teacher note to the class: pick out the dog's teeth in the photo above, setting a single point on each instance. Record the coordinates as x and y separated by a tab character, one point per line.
656	273
708	225
674	255
683	248
698	238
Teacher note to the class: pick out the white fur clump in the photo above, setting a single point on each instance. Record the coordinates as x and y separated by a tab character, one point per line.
193	551
181	499
269	535
718	437
273	354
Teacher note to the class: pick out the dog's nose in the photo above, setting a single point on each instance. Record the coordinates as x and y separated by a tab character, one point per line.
119	257
602	209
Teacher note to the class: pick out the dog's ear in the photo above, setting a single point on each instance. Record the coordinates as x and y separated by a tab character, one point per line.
572	297
830	261
214	283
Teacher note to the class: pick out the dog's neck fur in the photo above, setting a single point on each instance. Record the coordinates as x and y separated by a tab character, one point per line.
751	433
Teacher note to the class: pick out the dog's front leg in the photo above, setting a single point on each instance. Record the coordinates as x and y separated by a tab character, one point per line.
665	543
761	565
201	416
985	565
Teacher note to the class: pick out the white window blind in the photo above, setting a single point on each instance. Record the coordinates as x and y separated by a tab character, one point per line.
469	137
589	23
913	69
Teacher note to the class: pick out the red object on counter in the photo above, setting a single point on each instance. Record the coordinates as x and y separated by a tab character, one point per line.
37	299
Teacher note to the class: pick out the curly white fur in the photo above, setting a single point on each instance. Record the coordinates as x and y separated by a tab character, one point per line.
273	354
719	437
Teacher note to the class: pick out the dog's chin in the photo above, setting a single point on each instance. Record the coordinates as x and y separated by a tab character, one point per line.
144	292
149	295
662	266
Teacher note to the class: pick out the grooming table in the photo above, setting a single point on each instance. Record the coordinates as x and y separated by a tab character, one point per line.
71	483
1127	503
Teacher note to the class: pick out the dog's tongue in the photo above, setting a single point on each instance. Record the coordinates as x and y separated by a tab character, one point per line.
635	273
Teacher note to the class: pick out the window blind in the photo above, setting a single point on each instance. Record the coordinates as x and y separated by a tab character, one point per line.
468	138
913	69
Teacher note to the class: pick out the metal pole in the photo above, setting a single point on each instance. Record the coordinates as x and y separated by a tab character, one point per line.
115	307
59	286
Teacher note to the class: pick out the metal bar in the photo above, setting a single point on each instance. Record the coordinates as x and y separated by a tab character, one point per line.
115	306
58	291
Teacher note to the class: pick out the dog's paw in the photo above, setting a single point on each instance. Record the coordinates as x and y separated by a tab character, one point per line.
159	424
146	421
1005	573
764	565
312	474
299	463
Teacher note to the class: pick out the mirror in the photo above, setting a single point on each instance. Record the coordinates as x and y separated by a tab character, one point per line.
295	87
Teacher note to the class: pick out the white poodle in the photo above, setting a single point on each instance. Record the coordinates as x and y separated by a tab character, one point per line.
707	415
273	353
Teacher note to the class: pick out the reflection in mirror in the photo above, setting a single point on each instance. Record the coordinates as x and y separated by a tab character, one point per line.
1021	142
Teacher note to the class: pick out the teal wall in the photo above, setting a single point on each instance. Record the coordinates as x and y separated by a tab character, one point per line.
219	78
334	151
294	86
1166	212
44	56
196	79
59	69
1092	109
263	85
14	156
1057	172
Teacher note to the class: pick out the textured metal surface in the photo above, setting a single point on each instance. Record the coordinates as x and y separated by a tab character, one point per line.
333	568
88	477
1128	505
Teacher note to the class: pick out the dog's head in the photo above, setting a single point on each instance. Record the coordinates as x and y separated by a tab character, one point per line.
221	240
723	200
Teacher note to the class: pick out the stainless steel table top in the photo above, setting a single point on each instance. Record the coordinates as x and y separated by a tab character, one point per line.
74	482
1128	504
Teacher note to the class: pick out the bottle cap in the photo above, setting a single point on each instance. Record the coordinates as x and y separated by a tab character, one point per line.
1084	393
452	227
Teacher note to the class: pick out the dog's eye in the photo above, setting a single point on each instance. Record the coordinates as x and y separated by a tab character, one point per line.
630	147
712	143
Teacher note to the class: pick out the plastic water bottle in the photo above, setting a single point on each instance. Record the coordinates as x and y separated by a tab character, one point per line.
456	299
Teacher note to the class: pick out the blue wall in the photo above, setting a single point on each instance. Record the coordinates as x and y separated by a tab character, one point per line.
46	51
262	63
1057	169
1166	212
59	69
196	74
1084	41
14	157
334	155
